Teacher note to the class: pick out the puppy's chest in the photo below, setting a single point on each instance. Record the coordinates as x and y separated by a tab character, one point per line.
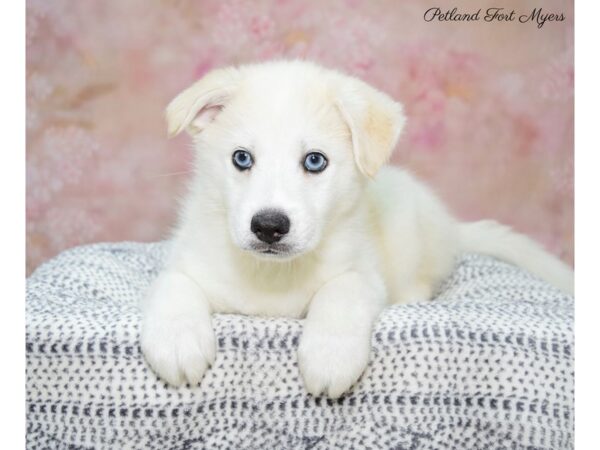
282	296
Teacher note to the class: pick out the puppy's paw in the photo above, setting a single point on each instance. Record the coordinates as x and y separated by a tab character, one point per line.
332	364
179	350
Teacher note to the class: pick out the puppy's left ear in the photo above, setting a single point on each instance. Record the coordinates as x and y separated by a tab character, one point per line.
375	121
197	106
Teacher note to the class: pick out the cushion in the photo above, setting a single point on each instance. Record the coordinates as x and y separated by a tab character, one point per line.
487	364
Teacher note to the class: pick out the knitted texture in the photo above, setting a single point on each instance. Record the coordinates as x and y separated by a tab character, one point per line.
488	364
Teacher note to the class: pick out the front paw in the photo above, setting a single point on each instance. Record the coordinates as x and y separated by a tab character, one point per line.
331	364
180	349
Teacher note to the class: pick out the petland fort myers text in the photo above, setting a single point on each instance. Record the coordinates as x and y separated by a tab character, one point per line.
537	16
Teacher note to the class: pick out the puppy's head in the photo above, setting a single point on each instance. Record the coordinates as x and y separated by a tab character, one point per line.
285	148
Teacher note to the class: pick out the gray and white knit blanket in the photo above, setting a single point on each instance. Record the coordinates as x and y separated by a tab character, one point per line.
487	365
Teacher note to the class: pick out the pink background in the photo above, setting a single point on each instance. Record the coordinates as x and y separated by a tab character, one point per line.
490	105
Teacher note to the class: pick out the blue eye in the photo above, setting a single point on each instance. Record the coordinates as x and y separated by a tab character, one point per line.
315	162
242	159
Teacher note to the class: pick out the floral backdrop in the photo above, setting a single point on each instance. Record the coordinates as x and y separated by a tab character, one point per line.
490	105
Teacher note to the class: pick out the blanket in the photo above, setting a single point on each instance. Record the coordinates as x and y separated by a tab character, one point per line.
487	364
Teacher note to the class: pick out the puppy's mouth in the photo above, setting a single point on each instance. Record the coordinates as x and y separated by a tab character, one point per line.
276	250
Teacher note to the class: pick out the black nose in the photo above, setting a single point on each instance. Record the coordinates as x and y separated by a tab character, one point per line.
270	225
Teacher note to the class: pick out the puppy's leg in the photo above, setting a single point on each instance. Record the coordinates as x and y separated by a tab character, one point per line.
336	341
177	336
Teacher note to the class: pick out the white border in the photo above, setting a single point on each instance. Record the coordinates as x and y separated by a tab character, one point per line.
12	201
587	223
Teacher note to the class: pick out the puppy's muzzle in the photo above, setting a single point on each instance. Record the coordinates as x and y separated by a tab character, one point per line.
270	225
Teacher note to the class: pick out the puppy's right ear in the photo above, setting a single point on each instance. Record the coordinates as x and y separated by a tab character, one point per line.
193	109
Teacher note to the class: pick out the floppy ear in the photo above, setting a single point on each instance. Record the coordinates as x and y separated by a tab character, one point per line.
193	109
375	121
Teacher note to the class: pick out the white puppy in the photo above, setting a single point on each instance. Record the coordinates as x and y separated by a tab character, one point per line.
290	215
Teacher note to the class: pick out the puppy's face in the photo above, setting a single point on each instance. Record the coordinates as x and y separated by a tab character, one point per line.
284	166
277	150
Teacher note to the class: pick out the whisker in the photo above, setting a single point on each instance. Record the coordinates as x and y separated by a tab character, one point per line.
170	174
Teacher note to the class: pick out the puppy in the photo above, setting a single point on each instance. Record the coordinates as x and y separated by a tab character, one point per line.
290	213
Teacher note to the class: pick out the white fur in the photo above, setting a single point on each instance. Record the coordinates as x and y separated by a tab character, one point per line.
355	242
